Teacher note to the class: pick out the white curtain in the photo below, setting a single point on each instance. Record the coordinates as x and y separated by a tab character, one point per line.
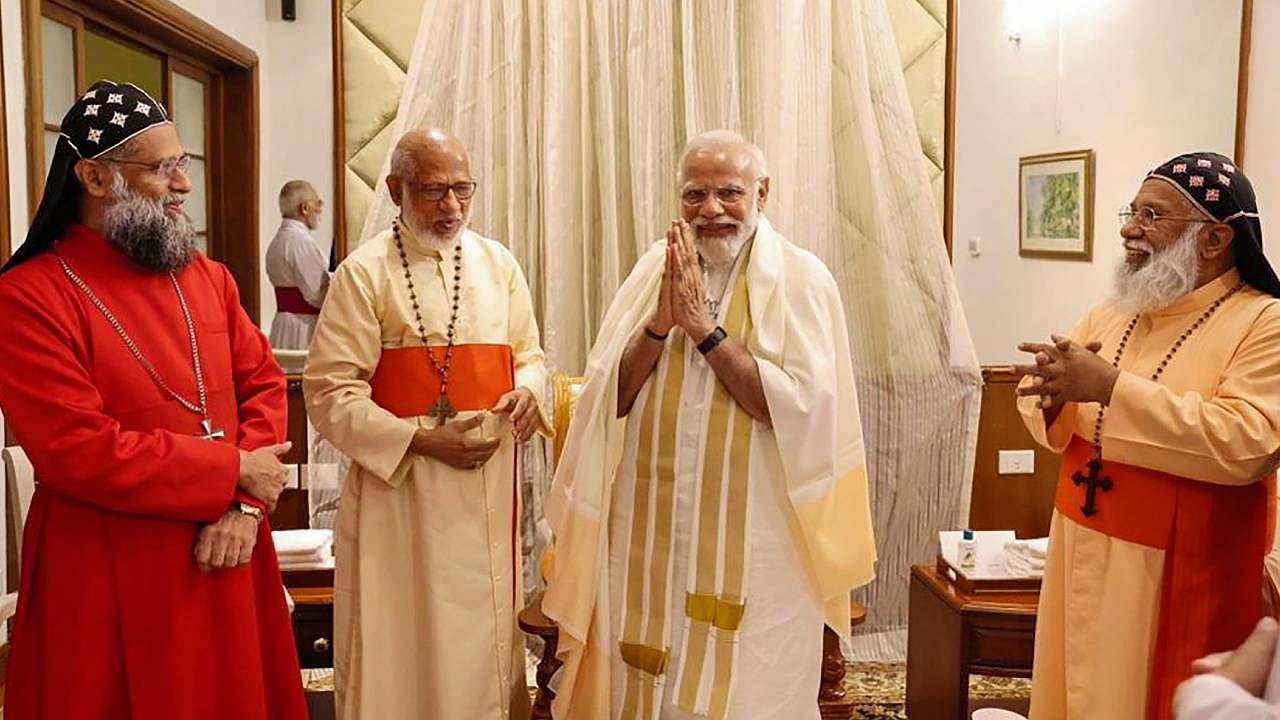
575	113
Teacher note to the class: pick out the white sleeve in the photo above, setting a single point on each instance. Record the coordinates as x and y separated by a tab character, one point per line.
1214	697
311	268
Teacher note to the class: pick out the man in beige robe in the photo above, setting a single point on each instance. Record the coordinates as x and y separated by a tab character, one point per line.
427	543
710	506
1165	402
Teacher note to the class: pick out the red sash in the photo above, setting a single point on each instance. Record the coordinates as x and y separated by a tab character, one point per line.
1214	538
290	300
406	384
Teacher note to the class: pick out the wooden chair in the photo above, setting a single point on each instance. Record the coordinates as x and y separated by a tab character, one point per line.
833	702
20	483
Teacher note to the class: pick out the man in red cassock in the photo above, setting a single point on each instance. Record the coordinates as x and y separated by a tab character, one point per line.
153	413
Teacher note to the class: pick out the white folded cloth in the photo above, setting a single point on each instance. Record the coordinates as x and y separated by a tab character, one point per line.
1034	549
302	544
326	564
318	556
1025	558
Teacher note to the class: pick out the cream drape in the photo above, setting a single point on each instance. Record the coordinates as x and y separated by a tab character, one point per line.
575	113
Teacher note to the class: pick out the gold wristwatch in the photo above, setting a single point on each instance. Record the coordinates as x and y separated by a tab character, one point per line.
252	511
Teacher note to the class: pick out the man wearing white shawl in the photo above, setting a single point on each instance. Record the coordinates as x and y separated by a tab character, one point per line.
710	506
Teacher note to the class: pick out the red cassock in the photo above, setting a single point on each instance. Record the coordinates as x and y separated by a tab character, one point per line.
114	619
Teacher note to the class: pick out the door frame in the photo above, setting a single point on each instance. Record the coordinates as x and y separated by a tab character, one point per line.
234	112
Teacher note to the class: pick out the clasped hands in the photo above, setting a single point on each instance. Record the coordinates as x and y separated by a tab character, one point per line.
453	444
682	298
1065	371
230	541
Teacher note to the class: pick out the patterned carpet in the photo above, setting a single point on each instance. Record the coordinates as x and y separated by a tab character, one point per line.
879	687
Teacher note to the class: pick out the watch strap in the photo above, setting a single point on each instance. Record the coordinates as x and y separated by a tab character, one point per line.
716	337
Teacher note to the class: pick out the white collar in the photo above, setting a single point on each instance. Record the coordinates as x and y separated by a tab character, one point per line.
293	224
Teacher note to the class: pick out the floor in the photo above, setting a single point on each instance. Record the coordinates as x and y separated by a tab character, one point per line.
879	687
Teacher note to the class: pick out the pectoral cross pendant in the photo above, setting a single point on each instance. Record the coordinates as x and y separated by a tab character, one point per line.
209	432
443	410
1092	481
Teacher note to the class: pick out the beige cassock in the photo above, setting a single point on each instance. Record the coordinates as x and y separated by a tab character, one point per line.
1104	634
428	564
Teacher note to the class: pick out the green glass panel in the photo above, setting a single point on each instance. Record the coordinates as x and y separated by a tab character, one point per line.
106	58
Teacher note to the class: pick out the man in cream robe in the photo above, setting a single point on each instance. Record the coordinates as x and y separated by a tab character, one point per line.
695	563
1156	545
428	564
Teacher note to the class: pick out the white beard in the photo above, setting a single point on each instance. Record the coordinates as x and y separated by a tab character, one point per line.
1166	276
432	240
717	251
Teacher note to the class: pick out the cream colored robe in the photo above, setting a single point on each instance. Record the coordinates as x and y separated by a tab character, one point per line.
811	539
428	562
1213	416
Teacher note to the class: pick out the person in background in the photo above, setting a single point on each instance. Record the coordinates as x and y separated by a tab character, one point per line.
297	267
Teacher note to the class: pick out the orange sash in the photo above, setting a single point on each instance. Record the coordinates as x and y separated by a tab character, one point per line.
1214	538
406	384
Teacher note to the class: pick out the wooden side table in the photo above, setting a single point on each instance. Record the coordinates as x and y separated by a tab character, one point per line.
952	634
313	626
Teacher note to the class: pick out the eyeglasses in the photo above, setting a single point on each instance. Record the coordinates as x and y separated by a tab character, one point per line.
163	169
727	195
1146	218
436	193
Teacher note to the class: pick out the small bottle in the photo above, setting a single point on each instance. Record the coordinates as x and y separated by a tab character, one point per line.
968	550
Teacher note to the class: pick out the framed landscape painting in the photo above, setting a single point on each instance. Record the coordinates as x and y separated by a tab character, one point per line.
1055	206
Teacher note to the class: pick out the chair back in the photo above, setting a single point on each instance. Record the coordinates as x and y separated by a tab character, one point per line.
565	389
291	361
20	482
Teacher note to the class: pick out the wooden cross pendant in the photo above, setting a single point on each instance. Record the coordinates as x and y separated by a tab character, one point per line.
1093	481
209	432
443	411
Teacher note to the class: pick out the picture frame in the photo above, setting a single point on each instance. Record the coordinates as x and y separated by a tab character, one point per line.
1055	205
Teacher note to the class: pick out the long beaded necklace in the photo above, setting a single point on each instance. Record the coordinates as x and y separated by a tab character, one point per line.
201	405
1094	480
443	410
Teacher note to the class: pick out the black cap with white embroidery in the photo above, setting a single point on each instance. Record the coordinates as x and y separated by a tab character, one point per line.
103	119
1219	189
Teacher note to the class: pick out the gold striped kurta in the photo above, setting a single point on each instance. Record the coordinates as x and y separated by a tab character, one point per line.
682	524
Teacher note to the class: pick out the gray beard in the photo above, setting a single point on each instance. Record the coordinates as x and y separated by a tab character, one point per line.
150	235
1166	276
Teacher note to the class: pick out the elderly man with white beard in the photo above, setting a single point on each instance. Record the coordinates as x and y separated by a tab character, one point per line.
695	563
426	370
1165	404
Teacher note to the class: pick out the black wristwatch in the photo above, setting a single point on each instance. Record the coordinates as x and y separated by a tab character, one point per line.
716	337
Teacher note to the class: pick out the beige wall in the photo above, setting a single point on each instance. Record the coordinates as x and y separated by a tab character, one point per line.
1135	98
